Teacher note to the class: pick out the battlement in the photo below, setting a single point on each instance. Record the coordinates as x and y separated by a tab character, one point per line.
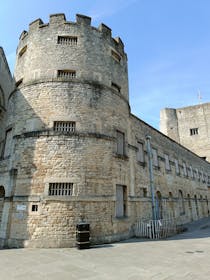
85	21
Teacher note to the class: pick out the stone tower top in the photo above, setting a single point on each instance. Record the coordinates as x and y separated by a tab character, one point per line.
58	19
74	50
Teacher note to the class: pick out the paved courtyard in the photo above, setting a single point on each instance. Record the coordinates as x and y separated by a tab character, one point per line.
186	256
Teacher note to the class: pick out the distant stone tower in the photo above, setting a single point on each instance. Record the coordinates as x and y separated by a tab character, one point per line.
169	123
189	126
67	75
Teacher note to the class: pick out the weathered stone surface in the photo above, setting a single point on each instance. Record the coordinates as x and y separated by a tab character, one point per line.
96	101
189	126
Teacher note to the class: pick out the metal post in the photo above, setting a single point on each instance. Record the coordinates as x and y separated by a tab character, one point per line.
151	177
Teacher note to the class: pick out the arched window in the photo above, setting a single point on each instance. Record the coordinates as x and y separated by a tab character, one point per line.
181	203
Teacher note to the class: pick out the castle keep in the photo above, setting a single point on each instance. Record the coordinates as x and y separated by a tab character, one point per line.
189	126
72	150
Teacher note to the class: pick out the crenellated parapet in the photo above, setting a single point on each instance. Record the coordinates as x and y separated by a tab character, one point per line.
85	21
63	49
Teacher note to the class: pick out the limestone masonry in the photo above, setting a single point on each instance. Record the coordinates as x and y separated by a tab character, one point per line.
189	126
71	150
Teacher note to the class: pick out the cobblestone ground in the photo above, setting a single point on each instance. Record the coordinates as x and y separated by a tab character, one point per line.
185	256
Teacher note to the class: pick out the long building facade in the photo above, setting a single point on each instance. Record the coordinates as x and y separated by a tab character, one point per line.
72	150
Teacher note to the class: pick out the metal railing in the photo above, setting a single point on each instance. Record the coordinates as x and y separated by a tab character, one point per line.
155	229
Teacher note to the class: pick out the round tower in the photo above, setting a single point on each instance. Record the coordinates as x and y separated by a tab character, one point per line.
70	106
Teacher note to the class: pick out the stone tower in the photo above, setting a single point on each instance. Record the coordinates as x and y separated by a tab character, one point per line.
72	151
189	126
72	94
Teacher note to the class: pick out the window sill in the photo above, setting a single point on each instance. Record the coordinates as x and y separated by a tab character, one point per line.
123	157
120	219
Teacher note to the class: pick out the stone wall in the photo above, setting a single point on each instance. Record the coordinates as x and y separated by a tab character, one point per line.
74	153
189	126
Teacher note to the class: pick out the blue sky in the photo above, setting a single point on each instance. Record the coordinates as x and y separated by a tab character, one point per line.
167	42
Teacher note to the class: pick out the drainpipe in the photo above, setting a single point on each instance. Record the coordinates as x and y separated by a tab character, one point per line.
151	177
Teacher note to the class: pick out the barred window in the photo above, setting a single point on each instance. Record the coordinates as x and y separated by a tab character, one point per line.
64	126
193	131
60	189
67	40
67	74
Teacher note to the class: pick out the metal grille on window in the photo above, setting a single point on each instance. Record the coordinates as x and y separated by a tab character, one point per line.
67	74
67	40
64	126
60	189
193	131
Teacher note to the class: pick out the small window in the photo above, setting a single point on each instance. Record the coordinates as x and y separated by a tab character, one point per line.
8	142
34	208
66	74
116	87
143	192
190	174
155	157
193	131
184	169
177	166
140	152
116	56
64	126
120	143
181	203
22	51
121	201
167	163
60	189
197	174
67	40
202	176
